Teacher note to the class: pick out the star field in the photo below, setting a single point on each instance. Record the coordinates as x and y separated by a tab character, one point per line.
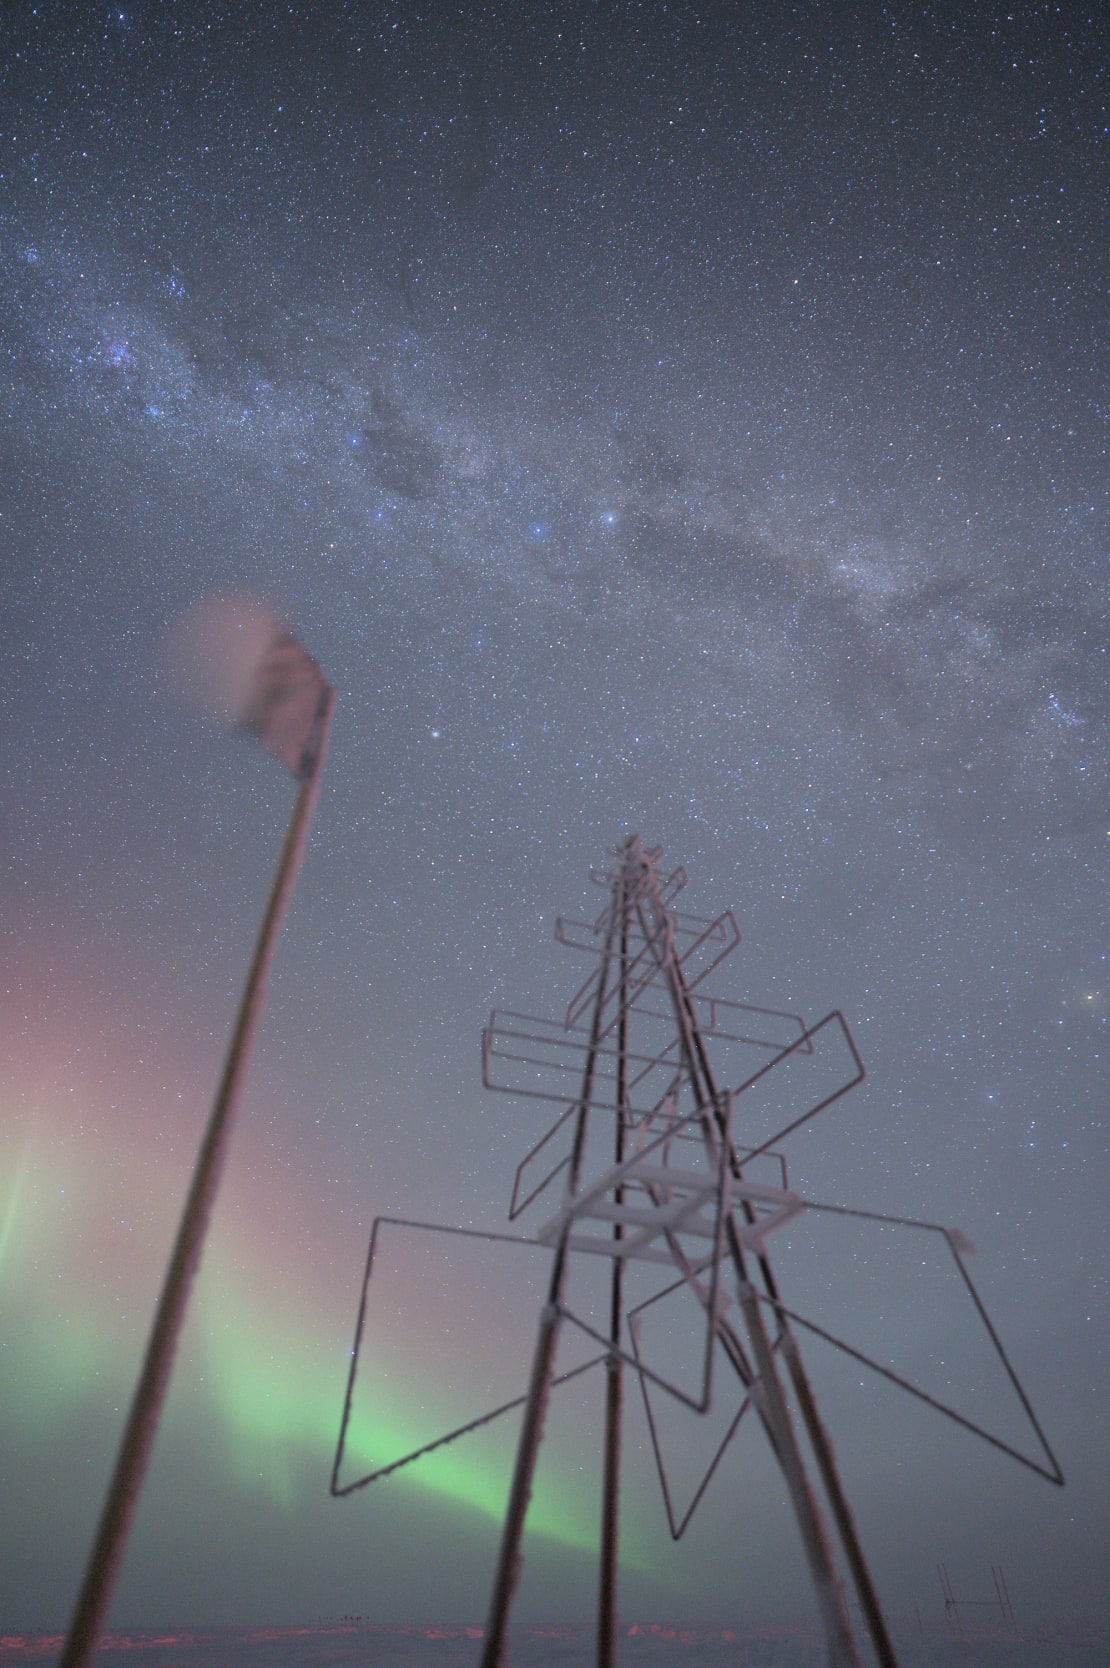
685	419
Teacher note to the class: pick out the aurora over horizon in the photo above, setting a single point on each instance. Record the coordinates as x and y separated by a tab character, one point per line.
684	420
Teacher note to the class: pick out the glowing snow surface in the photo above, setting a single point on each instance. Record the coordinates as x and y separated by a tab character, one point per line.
448	1645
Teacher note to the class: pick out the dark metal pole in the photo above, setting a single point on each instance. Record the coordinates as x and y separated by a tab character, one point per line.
607	1613
543	1366
821	1443
520	1494
117	1516
771	1400
773	1407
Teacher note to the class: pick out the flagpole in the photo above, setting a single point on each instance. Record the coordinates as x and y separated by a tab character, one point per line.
106	1557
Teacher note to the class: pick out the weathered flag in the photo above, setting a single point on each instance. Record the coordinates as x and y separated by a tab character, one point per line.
235	658
286	704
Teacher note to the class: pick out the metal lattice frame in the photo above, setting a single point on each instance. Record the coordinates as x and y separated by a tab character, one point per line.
636	1048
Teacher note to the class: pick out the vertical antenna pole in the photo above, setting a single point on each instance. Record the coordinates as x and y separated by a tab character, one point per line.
607	1615
117	1516
1003	1592
543	1365
520	1493
830	1593
821	1444
772	1401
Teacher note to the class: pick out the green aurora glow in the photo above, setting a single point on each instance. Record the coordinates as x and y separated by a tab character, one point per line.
276	1407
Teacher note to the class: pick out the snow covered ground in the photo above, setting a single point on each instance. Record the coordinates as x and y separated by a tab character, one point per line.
333	1645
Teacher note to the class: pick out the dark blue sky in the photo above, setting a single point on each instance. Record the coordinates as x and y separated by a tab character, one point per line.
682	419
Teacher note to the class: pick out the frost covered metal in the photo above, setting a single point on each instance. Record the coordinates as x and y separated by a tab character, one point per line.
662	1161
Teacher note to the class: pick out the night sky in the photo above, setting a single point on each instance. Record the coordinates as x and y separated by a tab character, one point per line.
680	419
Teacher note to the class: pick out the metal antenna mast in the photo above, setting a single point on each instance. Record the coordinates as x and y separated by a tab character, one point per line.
637	909
676	1206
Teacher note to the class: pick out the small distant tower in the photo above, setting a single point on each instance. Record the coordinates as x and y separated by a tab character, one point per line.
1001	1601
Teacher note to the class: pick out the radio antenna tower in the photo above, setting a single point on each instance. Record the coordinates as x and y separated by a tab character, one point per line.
1001	1601
674	1201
